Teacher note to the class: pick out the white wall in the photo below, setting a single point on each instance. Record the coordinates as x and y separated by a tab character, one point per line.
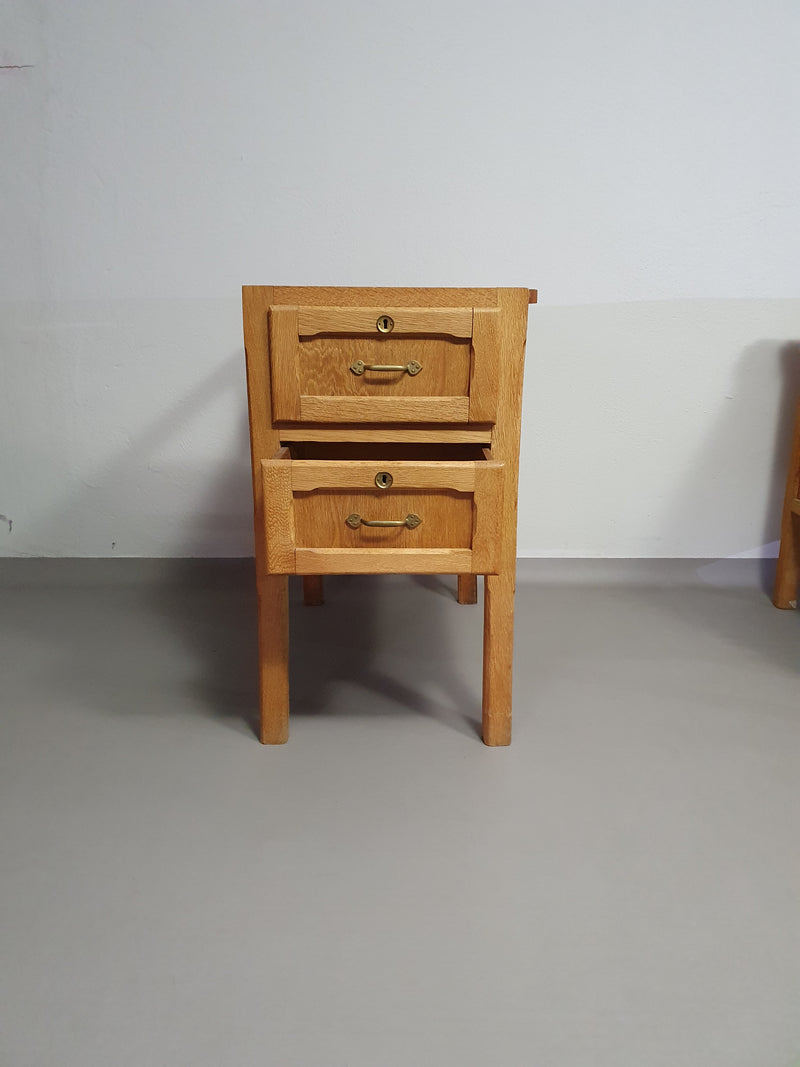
636	162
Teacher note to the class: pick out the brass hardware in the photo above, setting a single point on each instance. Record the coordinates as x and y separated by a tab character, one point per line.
354	521
412	367
383	479
385	323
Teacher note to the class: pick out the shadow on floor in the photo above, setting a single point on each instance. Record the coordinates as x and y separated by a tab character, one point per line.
393	644
737	468
380	645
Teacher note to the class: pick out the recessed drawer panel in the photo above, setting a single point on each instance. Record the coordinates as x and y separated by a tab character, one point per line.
330	367
381	515
445	519
383	364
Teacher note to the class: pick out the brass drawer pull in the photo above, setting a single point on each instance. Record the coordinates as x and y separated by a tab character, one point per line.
354	521
411	367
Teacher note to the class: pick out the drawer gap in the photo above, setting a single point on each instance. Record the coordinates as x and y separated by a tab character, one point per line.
392	450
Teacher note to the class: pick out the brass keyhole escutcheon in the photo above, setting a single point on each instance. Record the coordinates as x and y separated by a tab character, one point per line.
383	479
385	324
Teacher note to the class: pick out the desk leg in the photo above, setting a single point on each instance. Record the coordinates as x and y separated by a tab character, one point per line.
498	652
786	574
312	590
273	658
468	588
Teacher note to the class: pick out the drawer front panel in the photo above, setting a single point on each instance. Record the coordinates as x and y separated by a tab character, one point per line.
445	519
318	516
455	323
373	365
325	364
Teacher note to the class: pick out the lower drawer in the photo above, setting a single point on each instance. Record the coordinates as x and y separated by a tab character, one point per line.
379	509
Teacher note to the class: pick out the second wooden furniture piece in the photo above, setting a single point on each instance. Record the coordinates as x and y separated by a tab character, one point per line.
788	571
384	428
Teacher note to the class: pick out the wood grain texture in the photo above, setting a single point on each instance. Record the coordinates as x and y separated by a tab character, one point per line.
273	596
384	409
487	528
306	503
467	589
264	440
376	561
313	593
484	370
320	519
376	296
284	363
360	474
273	658
404	435
311	374
355	418
787	572
449	322
278	516
324	367
498	657
498	633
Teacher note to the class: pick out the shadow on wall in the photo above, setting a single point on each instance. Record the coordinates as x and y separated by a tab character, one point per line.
191	628
724	474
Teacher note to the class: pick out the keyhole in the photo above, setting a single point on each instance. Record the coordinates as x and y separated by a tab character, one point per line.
385	324
383	479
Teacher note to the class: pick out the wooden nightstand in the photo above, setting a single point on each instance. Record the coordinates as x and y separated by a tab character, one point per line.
384	428
787	572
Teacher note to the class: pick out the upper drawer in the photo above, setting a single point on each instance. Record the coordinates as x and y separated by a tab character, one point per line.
383	364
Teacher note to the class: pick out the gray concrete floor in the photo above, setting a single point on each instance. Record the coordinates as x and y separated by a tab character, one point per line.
621	886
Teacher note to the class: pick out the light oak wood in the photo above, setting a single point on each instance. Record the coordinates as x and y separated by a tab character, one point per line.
455	322
284	355
787	572
484	370
446	519
361	474
313	349
467	589
376	296
264	440
376	561
273	596
324	367
278	516
487	522
384	408
307	502
468	394
406	435
498	657
273	658
498	632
